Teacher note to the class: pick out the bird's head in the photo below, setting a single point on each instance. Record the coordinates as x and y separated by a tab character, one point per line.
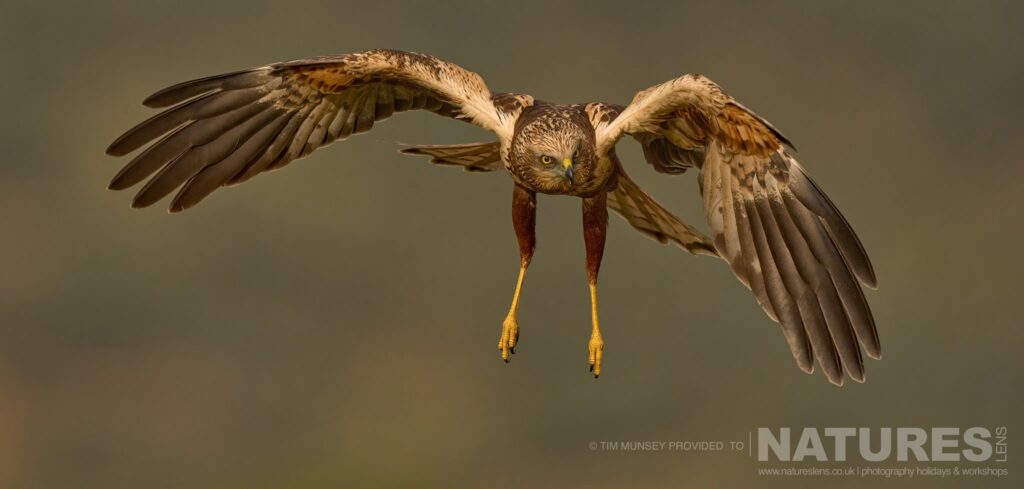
554	153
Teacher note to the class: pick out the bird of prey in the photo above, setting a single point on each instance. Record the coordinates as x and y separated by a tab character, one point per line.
775	227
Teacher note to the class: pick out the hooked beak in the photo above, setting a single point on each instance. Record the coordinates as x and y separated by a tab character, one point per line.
567	169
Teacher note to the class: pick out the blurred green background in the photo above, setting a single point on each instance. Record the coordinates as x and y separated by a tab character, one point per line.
334	324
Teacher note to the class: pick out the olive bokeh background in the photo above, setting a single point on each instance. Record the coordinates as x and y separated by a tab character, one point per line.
334	324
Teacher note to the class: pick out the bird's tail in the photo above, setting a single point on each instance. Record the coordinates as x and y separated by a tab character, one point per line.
648	216
475	157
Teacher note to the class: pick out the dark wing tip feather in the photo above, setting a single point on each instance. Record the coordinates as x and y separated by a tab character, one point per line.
157	125
812	196
137	204
188	89
837	381
113	149
806	367
181	91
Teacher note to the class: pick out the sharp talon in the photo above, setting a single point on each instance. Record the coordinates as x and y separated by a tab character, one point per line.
596	347
509	336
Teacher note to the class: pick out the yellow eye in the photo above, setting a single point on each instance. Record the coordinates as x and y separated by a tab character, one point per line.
546	160
576	154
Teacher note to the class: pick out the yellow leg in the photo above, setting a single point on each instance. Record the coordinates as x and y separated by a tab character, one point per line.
510	327
596	345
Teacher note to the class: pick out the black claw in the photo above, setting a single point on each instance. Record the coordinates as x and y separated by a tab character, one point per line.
596	376
512	350
591	369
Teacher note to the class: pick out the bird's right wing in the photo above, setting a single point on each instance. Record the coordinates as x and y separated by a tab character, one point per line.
225	129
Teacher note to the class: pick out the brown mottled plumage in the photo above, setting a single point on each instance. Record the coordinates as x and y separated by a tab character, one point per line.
783	238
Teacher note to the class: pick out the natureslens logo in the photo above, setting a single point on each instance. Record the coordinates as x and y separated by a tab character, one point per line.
902	444
885	452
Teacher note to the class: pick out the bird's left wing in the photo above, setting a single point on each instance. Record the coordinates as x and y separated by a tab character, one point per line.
781	234
228	128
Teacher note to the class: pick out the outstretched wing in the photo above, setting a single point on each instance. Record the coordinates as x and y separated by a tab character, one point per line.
225	129
781	234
